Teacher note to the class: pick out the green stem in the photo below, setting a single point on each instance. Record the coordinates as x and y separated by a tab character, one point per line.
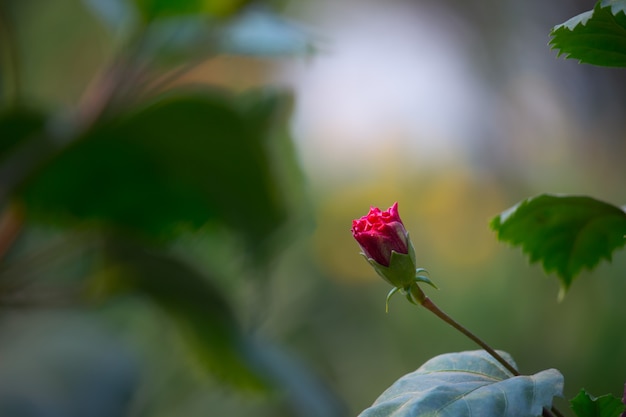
421	298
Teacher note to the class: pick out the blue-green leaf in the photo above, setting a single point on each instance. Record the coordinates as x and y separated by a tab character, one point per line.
467	384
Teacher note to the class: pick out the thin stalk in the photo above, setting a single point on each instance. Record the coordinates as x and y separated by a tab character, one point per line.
556	412
421	298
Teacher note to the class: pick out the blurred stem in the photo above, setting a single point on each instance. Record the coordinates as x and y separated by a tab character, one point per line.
11	79
418	295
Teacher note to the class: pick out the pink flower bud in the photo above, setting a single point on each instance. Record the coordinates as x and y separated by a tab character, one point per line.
381	232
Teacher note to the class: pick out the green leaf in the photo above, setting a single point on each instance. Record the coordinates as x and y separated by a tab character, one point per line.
564	233
586	405
595	37
18	125
175	164
467	384
24	143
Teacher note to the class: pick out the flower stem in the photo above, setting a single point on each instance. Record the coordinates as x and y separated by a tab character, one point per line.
418	295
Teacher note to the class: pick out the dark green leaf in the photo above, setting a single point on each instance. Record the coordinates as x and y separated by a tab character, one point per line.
564	233
17	126
467	384
181	162
23	145
595	37
586	405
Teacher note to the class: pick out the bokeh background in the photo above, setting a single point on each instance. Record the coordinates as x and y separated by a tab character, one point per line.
456	110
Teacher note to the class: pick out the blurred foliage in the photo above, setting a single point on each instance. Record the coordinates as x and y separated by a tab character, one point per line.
199	310
170	157
114	183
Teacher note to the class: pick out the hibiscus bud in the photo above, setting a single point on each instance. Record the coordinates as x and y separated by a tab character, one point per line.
386	245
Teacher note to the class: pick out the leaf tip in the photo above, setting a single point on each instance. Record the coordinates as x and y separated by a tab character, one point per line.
495	223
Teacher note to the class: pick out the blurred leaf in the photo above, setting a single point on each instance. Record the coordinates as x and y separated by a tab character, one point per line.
586	405
24	143
154	9
17	125
467	384
269	111
209	326
200	312
595	37
180	162
565	233
260	32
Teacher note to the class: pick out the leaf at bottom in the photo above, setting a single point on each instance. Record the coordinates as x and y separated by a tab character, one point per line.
467	384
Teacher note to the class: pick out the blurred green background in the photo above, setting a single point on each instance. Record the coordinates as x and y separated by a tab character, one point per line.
189	253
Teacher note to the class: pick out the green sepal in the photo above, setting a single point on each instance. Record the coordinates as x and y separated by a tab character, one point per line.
391	293
401	270
409	297
425	279
411	250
